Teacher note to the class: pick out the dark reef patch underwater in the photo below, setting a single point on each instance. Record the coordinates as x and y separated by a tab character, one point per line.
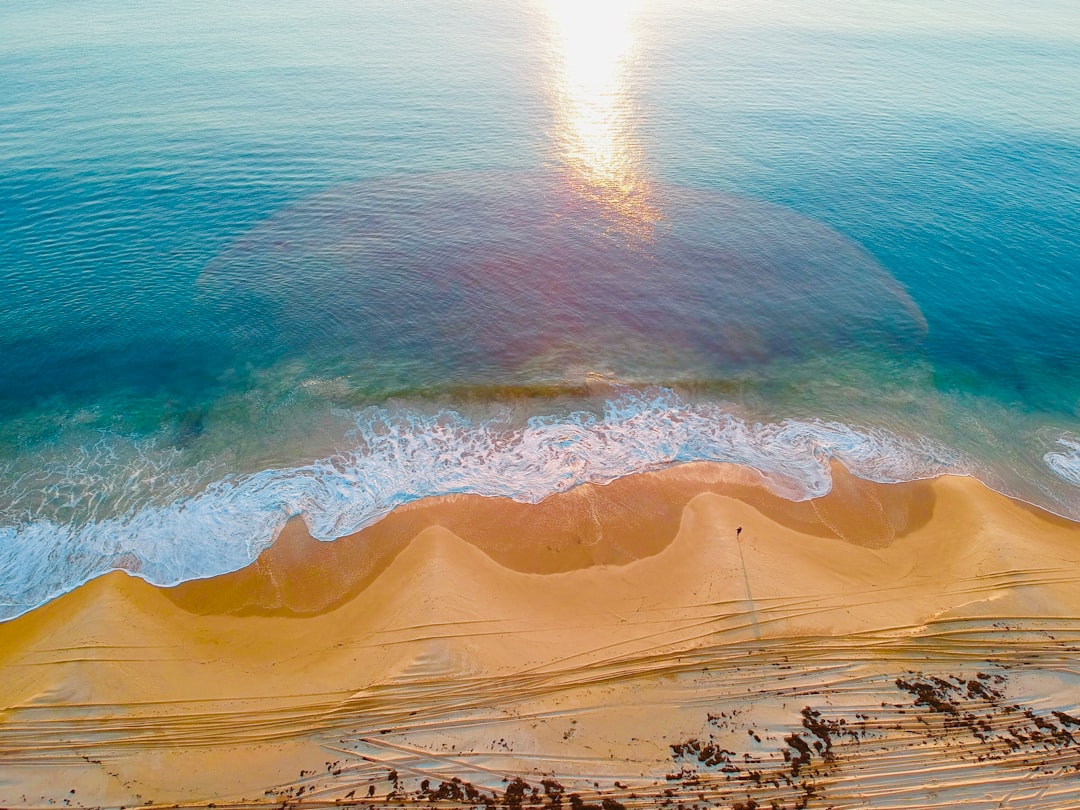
520	279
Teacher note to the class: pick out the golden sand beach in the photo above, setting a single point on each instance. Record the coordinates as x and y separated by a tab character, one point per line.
681	638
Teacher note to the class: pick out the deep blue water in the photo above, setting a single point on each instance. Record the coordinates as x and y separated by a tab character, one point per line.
267	260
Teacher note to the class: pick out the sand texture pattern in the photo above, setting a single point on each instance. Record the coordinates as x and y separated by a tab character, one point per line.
681	638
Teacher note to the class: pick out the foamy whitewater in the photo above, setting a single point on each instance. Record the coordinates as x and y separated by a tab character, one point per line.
395	458
1066	464
260	261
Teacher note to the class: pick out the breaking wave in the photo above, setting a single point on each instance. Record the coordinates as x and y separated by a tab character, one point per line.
391	458
1066	465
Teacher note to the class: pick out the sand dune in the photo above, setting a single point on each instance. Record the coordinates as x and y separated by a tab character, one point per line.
680	636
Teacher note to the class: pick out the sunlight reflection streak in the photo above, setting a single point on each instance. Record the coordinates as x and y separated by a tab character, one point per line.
596	45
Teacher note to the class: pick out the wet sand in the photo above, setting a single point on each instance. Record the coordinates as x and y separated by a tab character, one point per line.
678	637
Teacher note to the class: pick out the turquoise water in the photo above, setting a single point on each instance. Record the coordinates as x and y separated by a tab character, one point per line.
268	261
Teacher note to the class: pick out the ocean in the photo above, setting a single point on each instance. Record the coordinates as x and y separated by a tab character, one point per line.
260	261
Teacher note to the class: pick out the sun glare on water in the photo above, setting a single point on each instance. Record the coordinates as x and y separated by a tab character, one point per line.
595	43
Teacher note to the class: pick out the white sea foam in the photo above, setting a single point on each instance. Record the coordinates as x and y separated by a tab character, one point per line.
396	457
1066	465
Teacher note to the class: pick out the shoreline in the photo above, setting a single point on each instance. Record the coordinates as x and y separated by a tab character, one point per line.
629	518
294	539
591	640
222	524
